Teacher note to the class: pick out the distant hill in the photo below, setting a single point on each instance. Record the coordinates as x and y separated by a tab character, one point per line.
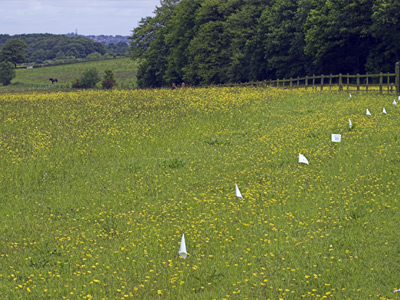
52	48
104	39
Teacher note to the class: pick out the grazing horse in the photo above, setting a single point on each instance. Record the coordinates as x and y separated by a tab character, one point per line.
53	80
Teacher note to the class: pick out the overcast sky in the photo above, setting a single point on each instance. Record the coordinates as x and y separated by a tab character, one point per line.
109	17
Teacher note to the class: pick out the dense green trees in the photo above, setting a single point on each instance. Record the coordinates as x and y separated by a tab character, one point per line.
40	48
338	35
207	51
283	38
13	51
386	31
150	42
211	41
241	23
181	30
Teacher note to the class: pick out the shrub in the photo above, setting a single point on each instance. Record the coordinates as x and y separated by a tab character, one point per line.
108	84
89	78
93	56
76	84
108	81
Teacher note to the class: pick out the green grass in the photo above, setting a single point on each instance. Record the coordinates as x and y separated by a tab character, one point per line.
124	70
97	189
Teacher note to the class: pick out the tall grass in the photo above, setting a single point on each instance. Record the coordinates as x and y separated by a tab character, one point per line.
97	189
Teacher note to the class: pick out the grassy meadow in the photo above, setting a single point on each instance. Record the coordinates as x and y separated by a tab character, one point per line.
98	187
124	70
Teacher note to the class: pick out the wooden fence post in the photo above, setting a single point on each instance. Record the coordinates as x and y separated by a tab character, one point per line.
348	81
366	82
298	81
322	82
313	81
397	80
306	82
277	83
340	82
358	82
388	82
380	82
330	81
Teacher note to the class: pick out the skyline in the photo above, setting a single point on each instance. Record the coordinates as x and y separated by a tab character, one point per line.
88	17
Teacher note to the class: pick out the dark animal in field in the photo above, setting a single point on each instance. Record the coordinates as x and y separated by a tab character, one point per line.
53	80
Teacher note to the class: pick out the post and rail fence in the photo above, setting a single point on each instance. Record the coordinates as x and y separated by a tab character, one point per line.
382	82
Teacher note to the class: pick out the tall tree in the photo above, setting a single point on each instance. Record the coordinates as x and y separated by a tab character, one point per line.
14	52
208	50
148	45
7	72
240	30
338	34
386	30
181	30
282	27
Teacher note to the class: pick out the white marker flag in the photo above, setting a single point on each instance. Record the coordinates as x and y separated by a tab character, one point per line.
182	248
384	111
350	95
303	159
350	124
368	113
336	138
394	102
399	98
237	192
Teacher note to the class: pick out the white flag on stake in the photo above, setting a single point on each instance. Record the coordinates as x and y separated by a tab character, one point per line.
303	159
350	124
394	102
350	95
182	248
336	138
237	192
368	113
384	111
399	98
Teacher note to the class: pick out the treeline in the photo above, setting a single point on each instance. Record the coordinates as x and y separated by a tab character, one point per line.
213	41
42	48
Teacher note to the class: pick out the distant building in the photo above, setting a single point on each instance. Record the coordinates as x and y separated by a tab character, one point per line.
104	39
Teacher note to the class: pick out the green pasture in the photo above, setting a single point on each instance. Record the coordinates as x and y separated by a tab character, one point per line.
98	187
124	70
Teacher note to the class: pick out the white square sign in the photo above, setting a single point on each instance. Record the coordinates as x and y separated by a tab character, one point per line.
336	138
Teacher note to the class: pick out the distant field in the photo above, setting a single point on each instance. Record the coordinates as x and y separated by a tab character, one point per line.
124	69
97	188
